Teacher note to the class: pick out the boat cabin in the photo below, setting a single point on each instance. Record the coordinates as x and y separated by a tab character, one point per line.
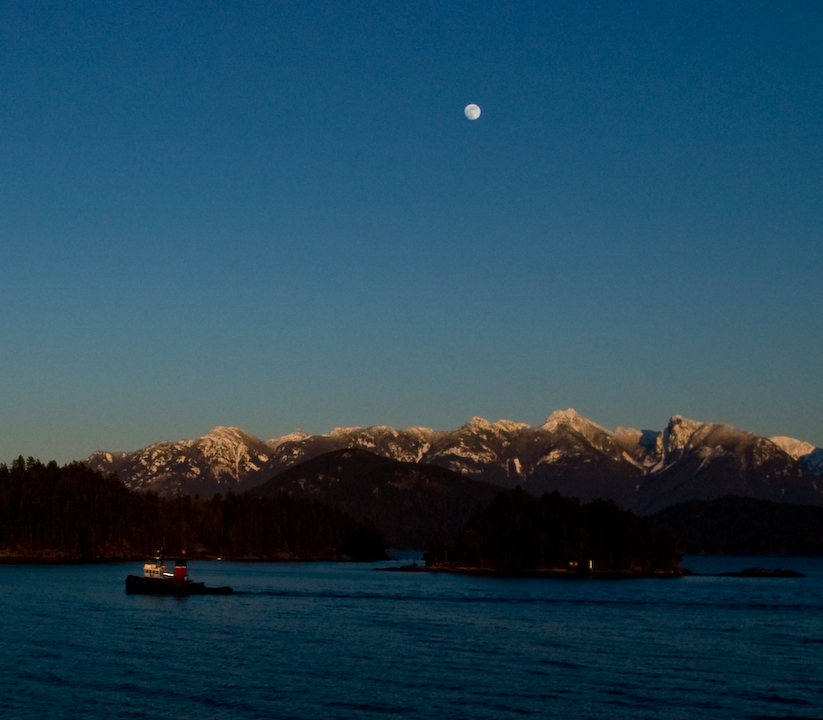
156	569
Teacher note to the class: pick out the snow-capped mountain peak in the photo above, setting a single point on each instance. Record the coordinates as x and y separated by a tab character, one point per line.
796	448
230	452
295	436
805	453
223	457
570	418
678	433
477	423
342	431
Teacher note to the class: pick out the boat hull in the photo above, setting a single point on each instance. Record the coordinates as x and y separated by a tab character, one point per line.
156	586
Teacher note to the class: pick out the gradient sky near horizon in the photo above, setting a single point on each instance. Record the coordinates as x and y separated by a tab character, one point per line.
276	216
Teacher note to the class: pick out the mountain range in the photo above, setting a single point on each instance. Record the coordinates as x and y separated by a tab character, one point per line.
642	470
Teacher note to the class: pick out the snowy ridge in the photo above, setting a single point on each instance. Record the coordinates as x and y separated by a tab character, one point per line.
297	435
219	461
231	454
639	469
796	448
572	419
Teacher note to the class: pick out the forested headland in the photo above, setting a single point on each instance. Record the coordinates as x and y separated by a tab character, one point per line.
518	533
71	513
744	526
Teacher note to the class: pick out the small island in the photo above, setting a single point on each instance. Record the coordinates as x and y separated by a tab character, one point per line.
553	536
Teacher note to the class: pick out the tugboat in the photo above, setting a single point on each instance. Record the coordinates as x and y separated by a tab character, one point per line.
157	580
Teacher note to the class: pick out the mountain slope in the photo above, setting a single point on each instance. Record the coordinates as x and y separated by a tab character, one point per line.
410	503
222	460
702	461
407	445
578	458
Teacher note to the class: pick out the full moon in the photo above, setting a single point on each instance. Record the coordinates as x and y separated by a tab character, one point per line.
472	112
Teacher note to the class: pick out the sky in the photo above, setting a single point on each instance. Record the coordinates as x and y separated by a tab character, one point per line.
275	215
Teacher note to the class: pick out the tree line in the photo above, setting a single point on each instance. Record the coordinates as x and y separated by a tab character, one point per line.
49	512
518	532
744	526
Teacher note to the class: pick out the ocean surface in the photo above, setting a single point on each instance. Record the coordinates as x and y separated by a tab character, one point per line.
326	640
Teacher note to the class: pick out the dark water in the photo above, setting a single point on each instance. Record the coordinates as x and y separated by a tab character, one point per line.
341	641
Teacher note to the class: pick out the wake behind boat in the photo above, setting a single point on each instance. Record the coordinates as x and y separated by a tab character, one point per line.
157	580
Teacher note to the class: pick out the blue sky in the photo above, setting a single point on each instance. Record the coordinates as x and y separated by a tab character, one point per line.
276	216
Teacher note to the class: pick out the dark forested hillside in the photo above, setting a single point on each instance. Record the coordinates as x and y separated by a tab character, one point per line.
744	526
74	513
412	504
517	532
